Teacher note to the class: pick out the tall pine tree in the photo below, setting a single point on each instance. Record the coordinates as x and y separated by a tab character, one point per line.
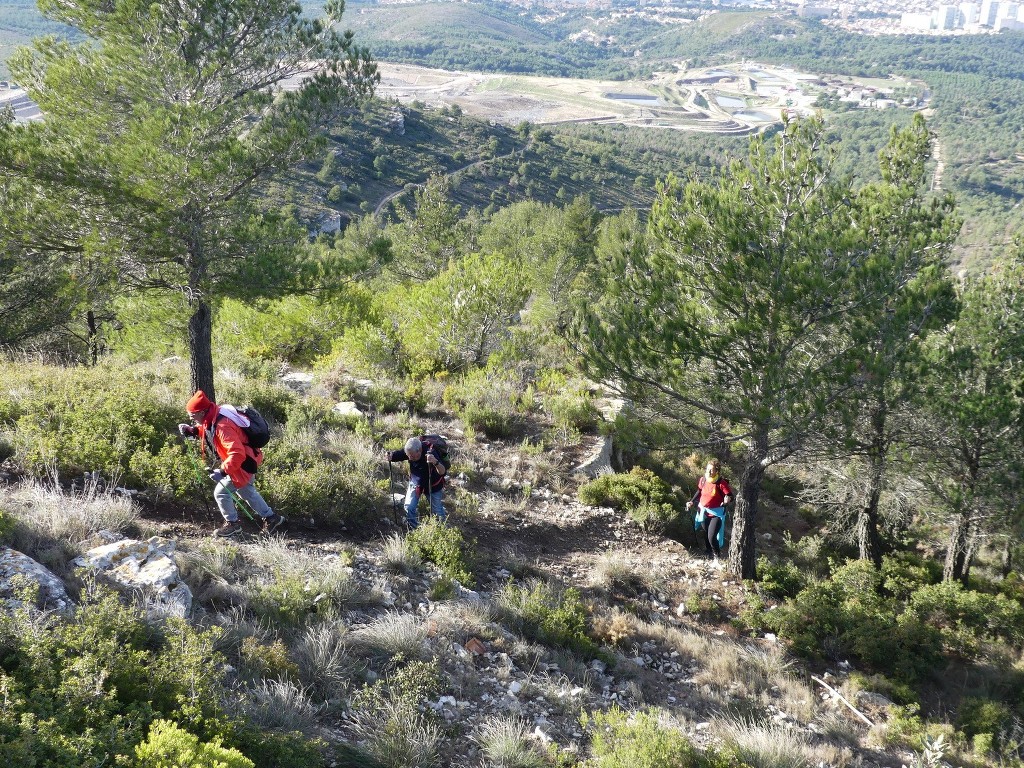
160	126
733	316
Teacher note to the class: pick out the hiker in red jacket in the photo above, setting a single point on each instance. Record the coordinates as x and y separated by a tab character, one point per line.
713	493
220	431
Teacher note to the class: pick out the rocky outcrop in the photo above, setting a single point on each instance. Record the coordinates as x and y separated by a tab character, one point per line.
348	408
599	460
18	570
146	567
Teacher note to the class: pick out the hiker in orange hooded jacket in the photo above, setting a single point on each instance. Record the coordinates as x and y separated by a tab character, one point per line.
220	433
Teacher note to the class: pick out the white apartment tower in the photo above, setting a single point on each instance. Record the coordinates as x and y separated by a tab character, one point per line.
946	17
989	11
968	14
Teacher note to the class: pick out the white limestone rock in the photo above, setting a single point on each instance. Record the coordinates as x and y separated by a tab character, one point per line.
347	408
16	567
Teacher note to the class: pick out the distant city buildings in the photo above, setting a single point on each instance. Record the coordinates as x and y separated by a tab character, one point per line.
990	16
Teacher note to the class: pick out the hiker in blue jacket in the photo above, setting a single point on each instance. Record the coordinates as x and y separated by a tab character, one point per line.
426	471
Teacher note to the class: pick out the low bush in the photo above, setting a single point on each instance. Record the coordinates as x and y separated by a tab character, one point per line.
979	717
296	329
568	403
272	749
902	631
299	481
644	496
779	579
846	614
645	740
84	690
488	402
444	546
965	617
548	615
103	419
168	746
271	398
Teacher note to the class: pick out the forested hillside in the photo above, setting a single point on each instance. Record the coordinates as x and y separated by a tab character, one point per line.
976	80
766	332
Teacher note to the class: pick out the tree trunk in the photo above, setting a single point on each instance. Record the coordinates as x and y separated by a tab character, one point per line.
1006	560
94	336
973	542
742	543
200	348
867	520
956	554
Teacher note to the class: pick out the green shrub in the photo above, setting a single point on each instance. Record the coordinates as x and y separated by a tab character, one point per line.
488	402
272	399
300	482
168	746
271	749
569	403
84	689
313	415
6	447
976	717
295	329
779	579
645	740
640	493
5	525
444	546
846	614
965	617
904	572
77	420
456	319
547	615
370	348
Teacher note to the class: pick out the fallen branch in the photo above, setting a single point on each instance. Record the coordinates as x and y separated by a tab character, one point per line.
839	696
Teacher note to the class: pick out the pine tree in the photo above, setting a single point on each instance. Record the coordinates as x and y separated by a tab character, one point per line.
159	127
734	315
890	358
974	413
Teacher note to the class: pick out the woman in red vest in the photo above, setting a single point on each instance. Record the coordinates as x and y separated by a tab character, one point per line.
713	493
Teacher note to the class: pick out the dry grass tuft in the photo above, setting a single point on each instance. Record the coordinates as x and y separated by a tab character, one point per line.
614	570
398	556
324	663
390	635
506	743
46	517
279	704
761	744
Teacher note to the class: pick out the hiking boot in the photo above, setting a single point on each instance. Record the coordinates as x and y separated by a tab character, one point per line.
272	523
230	528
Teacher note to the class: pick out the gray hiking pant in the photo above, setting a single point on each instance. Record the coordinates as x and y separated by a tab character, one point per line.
226	505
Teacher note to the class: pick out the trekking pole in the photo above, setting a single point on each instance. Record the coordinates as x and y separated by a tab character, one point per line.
191	450
394	501
241	503
203	477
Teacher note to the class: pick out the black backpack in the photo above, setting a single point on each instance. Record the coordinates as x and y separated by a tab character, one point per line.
440	444
257	434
